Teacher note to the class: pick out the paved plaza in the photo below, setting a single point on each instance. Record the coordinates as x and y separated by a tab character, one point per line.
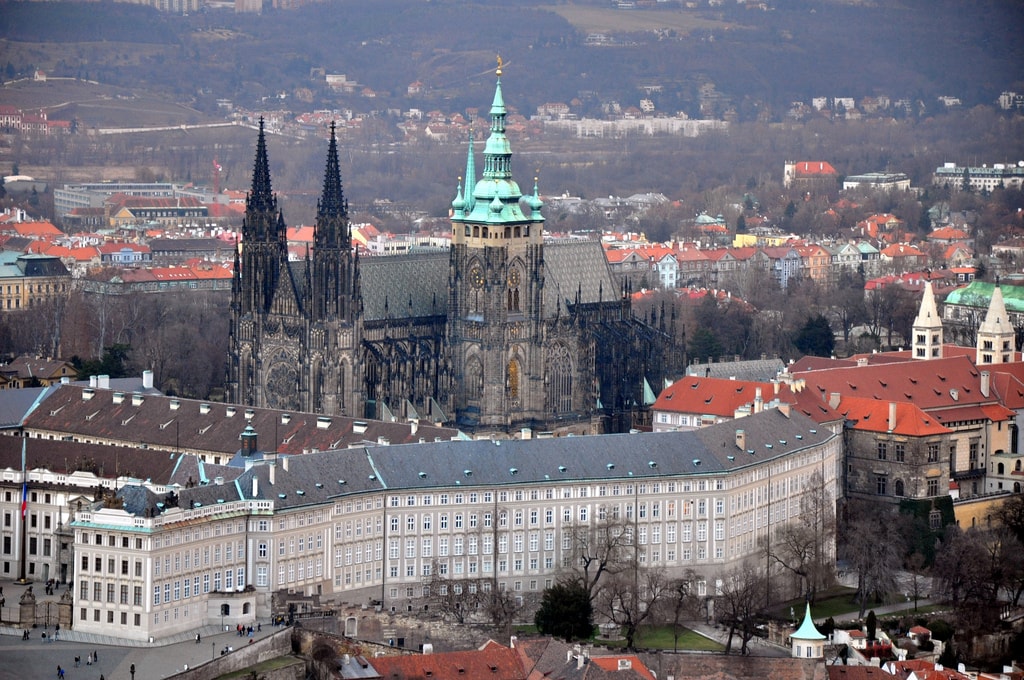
37	659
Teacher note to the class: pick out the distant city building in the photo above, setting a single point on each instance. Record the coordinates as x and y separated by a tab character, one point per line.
809	174
884	181
28	281
984	178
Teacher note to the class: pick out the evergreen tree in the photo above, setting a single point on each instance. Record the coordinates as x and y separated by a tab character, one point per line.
566	612
816	337
872	624
704	345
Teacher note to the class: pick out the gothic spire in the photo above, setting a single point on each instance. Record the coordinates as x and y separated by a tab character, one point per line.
332	203
333	199
470	175
261	198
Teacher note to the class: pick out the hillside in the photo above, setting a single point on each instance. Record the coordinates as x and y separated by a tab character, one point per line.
798	50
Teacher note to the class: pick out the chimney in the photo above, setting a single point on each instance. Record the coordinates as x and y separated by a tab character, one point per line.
526	433
758	400
104	381
284	463
272	470
93	382
834	399
249	441
784	408
219	481
147	379
892	416
986	383
741	440
255	486
414	426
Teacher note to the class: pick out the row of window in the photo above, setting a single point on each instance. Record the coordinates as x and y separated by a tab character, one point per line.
221	581
84	616
550	493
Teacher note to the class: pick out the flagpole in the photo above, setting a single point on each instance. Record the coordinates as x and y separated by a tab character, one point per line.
22	579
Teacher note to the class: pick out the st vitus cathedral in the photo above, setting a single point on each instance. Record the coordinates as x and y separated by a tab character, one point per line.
503	332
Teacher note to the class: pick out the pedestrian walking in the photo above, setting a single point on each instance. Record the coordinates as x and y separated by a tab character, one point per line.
198	638
96	657
60	673
78	661
259	627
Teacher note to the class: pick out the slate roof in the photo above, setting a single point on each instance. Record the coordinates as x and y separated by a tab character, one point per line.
108	462
511	462
571	266
550	658
399	280
320	478
753	369
16	404
191	425
415	286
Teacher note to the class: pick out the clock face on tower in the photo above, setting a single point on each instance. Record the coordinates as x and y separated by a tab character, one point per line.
513	277
476	277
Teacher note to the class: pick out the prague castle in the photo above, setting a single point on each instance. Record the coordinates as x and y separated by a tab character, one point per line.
505	331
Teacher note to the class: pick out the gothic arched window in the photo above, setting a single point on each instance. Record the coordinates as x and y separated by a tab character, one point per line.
558	378
513	381
474	379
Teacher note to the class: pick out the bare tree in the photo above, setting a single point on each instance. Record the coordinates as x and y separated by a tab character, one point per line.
680	603
454	600
596	550
631	596
805	546
872	550
741	595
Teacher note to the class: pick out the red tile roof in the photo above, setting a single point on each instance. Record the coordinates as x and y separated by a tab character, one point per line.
813	169
625	666
871	415
947	383
711	396
492	661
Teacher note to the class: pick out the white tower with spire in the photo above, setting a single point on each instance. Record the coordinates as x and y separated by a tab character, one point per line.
927	329
995	335
808	642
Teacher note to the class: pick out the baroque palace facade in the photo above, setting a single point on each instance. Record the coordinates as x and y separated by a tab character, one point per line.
376	525
505	331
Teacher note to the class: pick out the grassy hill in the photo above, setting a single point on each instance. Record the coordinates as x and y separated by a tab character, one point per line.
755	58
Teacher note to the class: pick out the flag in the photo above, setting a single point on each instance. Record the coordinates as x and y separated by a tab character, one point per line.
24	499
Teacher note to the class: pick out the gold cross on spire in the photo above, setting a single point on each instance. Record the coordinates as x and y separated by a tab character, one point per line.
500	62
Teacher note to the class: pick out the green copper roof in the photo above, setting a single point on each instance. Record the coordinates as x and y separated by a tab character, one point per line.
495	198
979	294
807	630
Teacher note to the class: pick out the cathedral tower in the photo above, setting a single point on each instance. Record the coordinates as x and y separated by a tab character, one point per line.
496	287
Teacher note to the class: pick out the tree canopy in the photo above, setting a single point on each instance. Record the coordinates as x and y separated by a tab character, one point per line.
816	337
566	612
